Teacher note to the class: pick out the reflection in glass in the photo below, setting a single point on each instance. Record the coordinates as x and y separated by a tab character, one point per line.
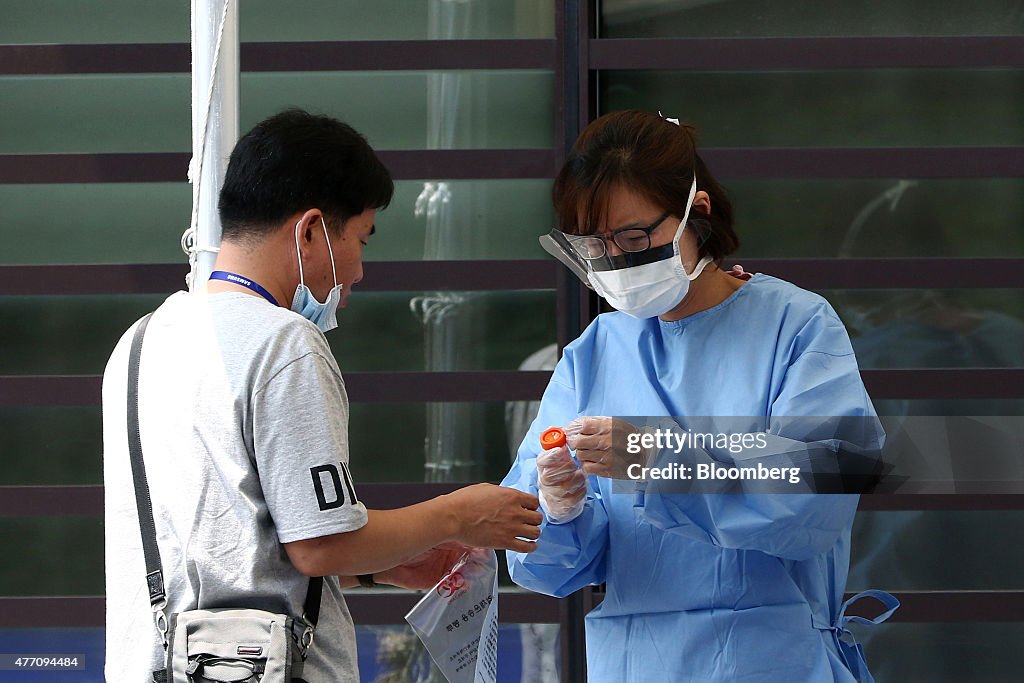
92	114
932	328
74	335
527	653
142	222
756	18
387	440
936	329
507	109
439	331
849	108
854	217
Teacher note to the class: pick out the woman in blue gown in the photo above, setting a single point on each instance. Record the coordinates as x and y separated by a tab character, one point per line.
699	587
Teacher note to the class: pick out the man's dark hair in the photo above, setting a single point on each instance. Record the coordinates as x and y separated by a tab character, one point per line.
294	161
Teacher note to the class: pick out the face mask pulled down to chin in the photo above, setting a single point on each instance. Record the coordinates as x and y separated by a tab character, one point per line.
323	315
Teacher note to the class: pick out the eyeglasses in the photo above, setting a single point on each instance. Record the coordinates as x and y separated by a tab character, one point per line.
630	240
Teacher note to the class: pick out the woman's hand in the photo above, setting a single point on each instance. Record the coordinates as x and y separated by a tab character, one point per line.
600	445
562	485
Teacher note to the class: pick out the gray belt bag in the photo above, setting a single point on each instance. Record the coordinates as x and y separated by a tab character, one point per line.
221	645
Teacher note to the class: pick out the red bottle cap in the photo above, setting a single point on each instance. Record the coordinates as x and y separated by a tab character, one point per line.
552	438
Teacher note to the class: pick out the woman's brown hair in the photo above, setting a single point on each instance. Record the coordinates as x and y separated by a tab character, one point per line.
651	156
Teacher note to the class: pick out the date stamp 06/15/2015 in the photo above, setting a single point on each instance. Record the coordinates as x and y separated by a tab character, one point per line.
41	662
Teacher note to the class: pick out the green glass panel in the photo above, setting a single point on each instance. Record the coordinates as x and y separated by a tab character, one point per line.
94	223
447	331
51	556
908	550
394	109
415	442
928	328
389	442
53	335
417	110
756	18
935	407
143	222
160	21
884	217
851	108
110	21
50	446
471	219
978	651
527	653
96	113
50	335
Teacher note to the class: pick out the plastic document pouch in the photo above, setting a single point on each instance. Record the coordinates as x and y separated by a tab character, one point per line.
457	620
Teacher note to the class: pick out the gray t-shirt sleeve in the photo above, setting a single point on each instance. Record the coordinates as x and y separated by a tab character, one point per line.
300	436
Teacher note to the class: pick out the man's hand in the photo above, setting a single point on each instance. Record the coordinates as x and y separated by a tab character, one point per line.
600	445
424	570
489	516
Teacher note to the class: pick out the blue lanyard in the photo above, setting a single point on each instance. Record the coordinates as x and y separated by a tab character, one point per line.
245	282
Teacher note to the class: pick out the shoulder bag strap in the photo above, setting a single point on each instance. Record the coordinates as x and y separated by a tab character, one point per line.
154	570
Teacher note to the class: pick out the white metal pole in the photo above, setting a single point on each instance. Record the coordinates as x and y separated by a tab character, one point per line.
214	121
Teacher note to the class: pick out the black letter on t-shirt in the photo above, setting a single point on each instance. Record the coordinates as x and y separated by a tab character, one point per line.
318	484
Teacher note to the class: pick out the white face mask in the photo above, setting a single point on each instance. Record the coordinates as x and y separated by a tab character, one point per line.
652	288
323	315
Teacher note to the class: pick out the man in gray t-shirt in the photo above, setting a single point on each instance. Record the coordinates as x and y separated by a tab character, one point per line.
244	419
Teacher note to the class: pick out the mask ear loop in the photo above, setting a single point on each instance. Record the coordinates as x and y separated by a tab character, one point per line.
702	263
298	255
682	224
330	251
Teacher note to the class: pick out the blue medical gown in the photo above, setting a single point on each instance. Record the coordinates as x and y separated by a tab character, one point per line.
726	587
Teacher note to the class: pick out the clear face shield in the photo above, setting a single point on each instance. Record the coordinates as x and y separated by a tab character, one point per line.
587	254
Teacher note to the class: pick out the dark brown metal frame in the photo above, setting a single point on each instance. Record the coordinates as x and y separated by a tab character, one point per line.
779	163
87	500
366	55
482	275
520	385
807	54
390	607
381	607
170	167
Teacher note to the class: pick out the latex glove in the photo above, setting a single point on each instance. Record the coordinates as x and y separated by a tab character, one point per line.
600	444
562	484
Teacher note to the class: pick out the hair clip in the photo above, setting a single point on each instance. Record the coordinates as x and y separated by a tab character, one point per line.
675	121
